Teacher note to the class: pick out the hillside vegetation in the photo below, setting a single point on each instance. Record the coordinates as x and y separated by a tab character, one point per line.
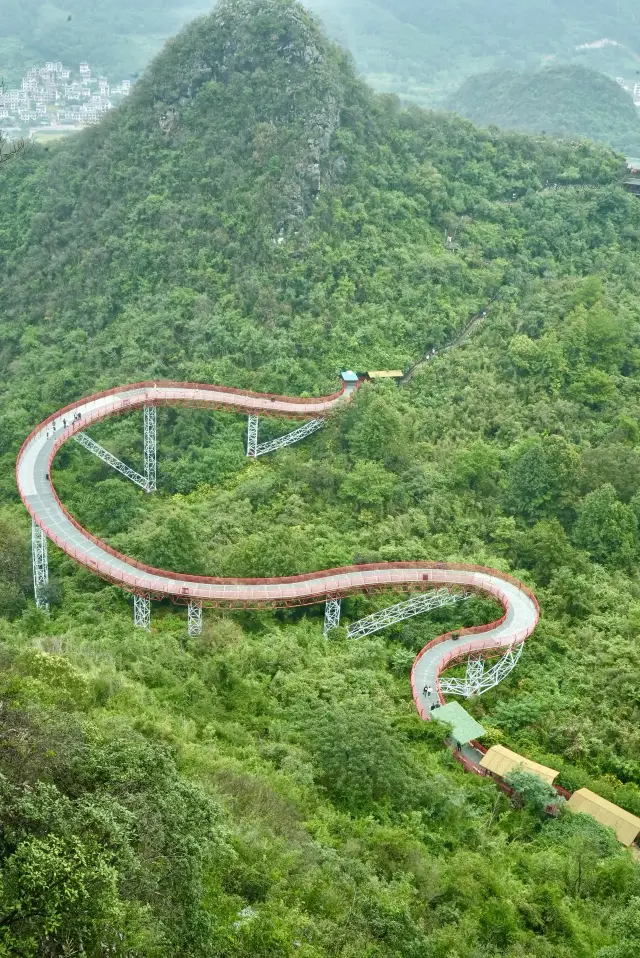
255	216
562	100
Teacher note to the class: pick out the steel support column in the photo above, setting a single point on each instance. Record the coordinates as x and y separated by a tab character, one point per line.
111	460
331	615
40	562
150	447
142	612
194	613
416	605
252	436
255	448
290	438
478	678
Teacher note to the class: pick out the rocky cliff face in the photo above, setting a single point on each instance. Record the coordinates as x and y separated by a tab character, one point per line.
273	56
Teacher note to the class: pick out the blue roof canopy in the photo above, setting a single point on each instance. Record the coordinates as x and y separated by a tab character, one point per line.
349	377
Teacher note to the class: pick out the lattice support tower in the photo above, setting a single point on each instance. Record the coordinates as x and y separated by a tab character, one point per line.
40	562
416	605
331	615
478	678
255	448
252	436
142	612
150	424
112	460
194	614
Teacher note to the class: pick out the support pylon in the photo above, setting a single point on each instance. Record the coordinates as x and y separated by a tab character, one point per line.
150	447
479	679
331	615
194	613
40	560
252	436
111	460
142	612
418	604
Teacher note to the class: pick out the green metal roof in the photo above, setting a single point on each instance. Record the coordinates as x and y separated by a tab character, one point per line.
464	727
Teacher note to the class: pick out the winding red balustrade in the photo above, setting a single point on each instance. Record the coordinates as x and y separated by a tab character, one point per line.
148	398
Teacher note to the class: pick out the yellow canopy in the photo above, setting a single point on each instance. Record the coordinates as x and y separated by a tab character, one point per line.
625	825
501	761
385	374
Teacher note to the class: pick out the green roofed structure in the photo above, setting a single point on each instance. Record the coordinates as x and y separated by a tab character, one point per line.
464	727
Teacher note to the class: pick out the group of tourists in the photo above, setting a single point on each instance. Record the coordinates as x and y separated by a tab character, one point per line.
65	422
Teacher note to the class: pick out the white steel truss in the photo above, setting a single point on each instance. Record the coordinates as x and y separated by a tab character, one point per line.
112	460
479	679
331	615
150	421
416	605
252	436
194	613
40	566
255	448
142	612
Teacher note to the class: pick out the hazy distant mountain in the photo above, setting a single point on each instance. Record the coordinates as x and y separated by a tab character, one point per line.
421	49
566	100
424	49
118	37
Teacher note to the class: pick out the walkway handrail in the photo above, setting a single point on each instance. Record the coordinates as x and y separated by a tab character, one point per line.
33	470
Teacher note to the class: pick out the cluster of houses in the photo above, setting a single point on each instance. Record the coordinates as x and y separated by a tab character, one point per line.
54	100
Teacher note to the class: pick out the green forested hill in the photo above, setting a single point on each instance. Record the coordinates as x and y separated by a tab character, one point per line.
255	216
563	100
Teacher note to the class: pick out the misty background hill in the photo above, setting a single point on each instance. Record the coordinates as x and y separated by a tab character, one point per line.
462	55
118	38
420	49
559	100
424	50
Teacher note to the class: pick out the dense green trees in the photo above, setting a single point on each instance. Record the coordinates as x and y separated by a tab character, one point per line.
541	477
606	528
103	846
257	790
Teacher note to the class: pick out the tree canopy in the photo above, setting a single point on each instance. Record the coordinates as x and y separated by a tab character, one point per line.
256	217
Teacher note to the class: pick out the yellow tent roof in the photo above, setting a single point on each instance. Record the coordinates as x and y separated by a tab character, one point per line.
501	761
625	825
385	374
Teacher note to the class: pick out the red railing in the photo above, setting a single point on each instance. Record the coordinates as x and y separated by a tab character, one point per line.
171	384
143	585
